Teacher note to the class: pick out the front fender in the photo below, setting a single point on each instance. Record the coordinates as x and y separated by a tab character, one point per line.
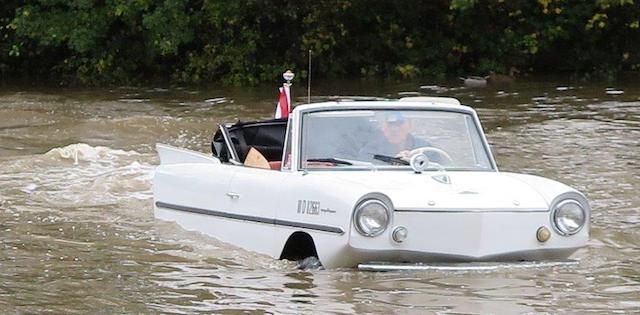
320	200
547	188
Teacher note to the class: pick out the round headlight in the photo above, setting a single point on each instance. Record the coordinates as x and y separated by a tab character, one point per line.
371	217
569	217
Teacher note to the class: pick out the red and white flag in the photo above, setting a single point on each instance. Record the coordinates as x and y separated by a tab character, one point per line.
284	99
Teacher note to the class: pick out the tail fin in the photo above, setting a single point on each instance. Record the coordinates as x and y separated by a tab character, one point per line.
173	155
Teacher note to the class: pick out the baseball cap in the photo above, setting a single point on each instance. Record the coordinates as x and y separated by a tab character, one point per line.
395	117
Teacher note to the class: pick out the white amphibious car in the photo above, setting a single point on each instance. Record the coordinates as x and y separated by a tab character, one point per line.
355	182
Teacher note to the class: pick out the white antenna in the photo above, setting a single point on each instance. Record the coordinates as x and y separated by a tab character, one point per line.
309	80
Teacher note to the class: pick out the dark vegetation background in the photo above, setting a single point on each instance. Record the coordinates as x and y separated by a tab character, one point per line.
248	42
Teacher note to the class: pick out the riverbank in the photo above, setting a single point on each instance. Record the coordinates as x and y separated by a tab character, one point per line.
249	43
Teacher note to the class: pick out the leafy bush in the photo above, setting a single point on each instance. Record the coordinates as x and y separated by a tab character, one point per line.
253	41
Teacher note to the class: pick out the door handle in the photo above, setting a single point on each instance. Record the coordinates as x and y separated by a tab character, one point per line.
233	195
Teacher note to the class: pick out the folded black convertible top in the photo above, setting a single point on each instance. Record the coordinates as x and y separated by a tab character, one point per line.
266	136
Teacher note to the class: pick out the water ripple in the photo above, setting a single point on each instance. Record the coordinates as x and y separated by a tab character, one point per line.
78	233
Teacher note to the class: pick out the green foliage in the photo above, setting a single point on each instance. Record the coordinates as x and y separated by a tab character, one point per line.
253	41
462	4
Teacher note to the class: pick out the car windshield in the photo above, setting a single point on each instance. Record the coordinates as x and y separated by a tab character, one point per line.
380	139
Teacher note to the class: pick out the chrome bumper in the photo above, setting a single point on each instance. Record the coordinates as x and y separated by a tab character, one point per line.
383	266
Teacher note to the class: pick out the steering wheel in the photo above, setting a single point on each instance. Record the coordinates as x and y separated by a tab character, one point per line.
447	158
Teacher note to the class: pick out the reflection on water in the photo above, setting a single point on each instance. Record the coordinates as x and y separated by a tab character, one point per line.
77	231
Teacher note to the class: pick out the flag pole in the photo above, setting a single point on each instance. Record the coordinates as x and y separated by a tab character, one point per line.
309	81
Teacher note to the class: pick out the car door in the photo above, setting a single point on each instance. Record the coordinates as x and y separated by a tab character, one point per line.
254	196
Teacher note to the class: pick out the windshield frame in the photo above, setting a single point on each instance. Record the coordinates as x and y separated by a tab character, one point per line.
390	107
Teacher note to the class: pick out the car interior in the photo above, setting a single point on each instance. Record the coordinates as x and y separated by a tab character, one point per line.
266	137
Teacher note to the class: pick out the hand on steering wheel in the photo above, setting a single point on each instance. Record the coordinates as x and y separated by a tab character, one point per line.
406	154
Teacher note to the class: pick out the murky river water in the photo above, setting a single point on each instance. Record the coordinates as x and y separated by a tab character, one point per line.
77	233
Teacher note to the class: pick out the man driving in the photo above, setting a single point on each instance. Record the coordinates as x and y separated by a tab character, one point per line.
397	140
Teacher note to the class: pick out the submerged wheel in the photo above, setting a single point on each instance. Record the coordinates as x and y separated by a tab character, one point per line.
301	248
309	263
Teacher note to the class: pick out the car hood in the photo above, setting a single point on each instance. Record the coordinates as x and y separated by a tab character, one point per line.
449	191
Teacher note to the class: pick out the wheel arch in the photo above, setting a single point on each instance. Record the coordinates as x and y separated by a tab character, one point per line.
299	245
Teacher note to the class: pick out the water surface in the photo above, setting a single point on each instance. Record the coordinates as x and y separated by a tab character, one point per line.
77	233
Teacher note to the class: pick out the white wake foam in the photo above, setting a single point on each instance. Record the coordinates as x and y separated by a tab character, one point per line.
84	152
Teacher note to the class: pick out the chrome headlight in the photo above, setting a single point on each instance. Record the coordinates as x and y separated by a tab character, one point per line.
371	217
568	217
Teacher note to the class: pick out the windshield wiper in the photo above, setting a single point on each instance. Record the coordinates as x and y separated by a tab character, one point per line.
330	160
390	159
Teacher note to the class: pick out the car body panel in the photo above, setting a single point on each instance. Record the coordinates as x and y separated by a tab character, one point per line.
467	191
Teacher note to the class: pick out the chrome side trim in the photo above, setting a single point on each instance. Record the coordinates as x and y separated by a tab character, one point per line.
309	226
